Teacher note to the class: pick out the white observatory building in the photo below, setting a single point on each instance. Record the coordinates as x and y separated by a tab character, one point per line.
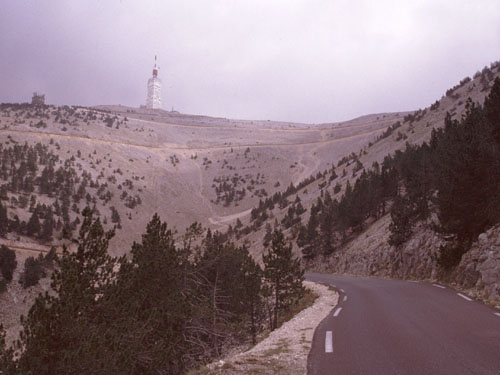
154	90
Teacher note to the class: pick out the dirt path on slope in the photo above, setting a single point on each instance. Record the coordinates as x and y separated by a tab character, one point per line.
214	219
219	220
23	246
307	170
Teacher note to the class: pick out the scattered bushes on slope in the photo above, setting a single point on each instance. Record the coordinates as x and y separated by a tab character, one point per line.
456	175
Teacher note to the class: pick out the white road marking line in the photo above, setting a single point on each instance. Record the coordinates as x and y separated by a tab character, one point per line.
345	298
328	342
464	297
337	312
412	281
497	314
342	290
439	286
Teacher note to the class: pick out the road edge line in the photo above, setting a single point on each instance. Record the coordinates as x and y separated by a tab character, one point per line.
464	297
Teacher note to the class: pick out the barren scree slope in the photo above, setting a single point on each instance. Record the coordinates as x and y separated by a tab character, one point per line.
186	168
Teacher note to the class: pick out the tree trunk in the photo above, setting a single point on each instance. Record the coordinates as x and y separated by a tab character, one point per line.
276	303
214	316
253	323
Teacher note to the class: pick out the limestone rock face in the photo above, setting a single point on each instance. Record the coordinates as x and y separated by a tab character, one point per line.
370	255
480	266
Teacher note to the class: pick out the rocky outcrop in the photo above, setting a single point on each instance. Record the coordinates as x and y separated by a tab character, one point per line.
479	269
369	254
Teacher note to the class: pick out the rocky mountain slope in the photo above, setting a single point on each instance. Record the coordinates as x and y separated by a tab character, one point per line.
368	252
128	163
186	168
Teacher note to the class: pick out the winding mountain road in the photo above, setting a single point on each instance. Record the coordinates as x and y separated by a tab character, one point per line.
403	327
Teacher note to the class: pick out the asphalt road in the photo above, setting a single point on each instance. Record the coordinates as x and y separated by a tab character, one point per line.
402	327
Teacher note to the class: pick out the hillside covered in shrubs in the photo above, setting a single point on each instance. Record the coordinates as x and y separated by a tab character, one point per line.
455	176
167	308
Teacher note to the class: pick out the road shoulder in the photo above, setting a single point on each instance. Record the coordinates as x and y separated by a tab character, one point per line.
286	349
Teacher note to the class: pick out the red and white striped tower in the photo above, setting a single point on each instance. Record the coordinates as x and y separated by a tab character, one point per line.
154	89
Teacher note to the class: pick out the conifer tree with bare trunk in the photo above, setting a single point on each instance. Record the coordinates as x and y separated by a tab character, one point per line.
283	275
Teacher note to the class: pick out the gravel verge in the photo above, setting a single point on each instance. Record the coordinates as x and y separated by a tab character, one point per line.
285	350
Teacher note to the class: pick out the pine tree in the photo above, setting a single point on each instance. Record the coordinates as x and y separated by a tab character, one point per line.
308	238
4	221
283	274
33	227
33	271
7	363
149	303
115	216
8	262
252	301
267	235
492	109
48	226
57	334
401	225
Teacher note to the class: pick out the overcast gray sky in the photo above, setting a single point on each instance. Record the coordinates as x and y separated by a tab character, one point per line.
296	60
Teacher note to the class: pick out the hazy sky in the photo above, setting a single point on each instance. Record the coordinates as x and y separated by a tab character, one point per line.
297	60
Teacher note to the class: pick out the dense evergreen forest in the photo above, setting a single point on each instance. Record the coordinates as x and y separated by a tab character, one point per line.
455	176
164	309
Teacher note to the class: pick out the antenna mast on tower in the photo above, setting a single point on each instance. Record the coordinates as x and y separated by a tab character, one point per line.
153	99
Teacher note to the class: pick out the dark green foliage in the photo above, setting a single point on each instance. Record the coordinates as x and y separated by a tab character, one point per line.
308	238
252	301
115	216
415	166
492	110
33	271
230	189
293	215
7	364
268	235
8	262
402	221
4	221
58	334
457	175
332	221
33	227
435	106
280	198
32	171
164	310
450	254
283	274
388	131
467	169
226	275
149	299
337	188
36	268
48	225
458	172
